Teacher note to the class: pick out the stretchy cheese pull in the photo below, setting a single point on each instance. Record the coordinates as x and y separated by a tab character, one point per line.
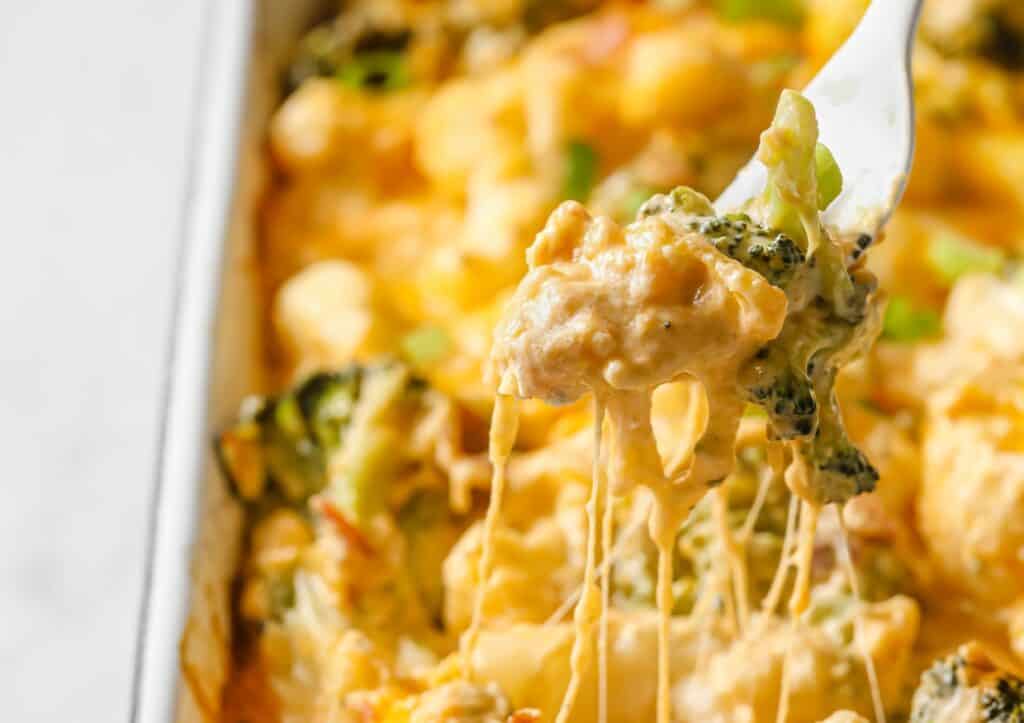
504	426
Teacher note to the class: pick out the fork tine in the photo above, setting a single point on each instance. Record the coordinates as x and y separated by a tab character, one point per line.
864	102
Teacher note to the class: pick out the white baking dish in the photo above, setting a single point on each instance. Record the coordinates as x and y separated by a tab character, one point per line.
215	361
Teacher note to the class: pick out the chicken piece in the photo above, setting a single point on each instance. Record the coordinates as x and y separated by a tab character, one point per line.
626	310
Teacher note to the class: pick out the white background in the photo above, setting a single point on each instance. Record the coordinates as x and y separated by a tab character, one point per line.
95	108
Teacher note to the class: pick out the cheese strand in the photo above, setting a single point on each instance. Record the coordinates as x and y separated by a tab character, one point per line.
584	615
504	427
771	600
736	566
607	531
869	663
664	594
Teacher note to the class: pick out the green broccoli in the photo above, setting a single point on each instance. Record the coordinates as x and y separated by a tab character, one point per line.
374	60
968	686
772	254
282	447
784	392
833	314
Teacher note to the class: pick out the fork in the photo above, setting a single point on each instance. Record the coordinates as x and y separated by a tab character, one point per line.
865	106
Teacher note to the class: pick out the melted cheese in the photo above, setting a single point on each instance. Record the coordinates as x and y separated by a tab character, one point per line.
589	605
504	425
797	481
607	532
846	560
618	313
733	557
771	600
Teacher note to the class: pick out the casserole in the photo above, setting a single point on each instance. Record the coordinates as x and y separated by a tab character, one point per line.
319	454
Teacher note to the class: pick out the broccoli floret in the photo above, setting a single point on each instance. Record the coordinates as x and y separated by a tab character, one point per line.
373	59
785	393
968	686
775	256
772	254
843	470
793	379
832	315
281	446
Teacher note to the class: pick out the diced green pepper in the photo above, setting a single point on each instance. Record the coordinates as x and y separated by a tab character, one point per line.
905	322
426	345
951	256
580	171
634	200
786	12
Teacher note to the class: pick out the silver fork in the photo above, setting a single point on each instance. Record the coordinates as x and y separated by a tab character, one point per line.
865	106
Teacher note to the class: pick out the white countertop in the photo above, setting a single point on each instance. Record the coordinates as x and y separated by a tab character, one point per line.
94	117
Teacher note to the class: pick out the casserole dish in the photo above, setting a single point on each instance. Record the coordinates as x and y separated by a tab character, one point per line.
213	362
411	170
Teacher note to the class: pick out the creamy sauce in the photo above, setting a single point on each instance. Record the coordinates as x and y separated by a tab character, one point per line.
590	604
504	426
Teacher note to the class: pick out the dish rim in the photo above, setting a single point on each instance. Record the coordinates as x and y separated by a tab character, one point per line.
212	160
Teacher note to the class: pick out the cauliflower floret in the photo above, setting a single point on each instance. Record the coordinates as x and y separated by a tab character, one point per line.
971	505
739	682
503	216
327	316
532	576
471	126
